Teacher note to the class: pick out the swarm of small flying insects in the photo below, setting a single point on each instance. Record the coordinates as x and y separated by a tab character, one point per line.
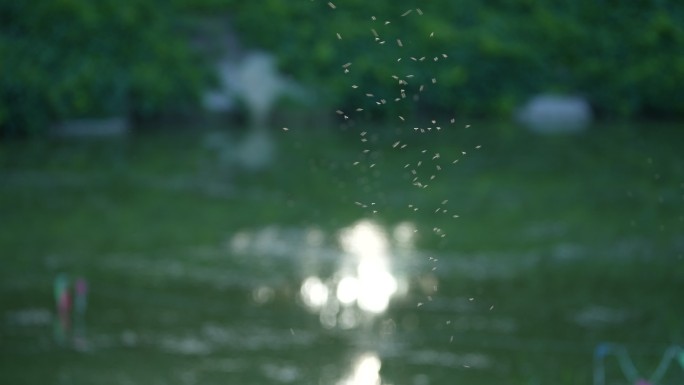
411	68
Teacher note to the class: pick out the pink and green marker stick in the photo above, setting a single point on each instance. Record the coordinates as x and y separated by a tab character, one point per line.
63	304
71	301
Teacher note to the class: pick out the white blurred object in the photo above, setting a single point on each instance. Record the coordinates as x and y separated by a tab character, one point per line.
548	114
255	80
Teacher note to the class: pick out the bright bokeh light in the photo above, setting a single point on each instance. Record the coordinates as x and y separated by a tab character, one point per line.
314	292
376	286
348	290
404	234
373	284
365	239
366	371
364	282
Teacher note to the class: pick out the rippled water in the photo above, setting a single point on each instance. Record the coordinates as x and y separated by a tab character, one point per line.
354	306
359	305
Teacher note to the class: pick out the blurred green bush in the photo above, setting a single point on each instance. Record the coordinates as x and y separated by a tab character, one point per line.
626	57
63	59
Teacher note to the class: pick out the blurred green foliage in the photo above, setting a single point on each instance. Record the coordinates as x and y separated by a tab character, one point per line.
74	58
626	57
66	59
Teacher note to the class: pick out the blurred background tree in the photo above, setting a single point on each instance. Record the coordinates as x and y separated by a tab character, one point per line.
626	57
67	59
71	58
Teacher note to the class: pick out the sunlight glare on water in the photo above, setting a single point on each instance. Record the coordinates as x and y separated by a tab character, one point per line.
348	290
365	239
404	234
366	371
314	292
372	284
364	282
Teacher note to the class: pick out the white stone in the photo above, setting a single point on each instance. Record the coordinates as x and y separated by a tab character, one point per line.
550	114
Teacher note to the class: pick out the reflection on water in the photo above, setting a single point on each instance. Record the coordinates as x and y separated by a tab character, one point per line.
256	324
366	371
364	282
314	292
372	284
349	280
